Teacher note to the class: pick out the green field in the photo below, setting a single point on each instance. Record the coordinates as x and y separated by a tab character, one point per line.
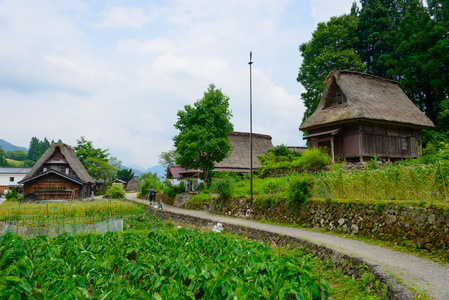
154	260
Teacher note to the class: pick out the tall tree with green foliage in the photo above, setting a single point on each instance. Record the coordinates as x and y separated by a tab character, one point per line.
85	150
377	26
125	174
34	150
411	45
202	139
436	61
102	170
168	157
332	48
45	145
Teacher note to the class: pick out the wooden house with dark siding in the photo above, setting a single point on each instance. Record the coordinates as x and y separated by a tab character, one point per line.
58	174
361	116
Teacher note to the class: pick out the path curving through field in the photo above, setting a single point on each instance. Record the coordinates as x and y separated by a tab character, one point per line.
419	273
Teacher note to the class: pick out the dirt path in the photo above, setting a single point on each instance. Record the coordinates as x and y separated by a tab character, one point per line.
418	273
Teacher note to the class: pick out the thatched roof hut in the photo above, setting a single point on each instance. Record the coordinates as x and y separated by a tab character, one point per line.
132	186
239	157
364	96
364	115
58	174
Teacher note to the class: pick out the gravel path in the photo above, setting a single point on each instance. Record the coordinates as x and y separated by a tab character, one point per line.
415	272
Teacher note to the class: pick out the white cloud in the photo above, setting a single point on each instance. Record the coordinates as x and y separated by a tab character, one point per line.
323	10
118	74
123	16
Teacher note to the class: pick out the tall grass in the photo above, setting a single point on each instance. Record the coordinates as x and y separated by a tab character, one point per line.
70	209
395	182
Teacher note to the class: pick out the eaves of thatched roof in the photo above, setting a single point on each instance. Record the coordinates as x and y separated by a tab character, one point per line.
239	156
368	97
70	157
71	178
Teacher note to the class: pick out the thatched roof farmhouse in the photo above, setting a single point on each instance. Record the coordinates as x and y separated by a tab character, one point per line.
58	174
238	159
239	156
361	116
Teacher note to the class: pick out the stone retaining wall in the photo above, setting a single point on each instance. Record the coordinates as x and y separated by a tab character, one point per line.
412	227
352	266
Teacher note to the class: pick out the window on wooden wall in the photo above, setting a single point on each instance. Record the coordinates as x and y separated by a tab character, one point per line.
334	96
405	144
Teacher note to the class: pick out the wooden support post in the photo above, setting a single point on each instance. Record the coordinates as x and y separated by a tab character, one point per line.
332	149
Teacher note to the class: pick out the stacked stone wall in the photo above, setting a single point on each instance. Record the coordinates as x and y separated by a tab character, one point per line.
424	228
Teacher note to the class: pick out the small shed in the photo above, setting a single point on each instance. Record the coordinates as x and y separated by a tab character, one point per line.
58	174
361	116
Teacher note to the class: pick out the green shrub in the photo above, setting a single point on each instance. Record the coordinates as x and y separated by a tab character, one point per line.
13	196
202	197
172	190
315	158
265	201
300	189
224	187
117	191
311	158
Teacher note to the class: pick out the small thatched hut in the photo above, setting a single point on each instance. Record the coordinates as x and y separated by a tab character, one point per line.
239	157
132	186
58	174
361	116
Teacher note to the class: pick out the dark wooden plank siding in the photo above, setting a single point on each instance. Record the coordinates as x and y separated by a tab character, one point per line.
52	187
386	146
351	145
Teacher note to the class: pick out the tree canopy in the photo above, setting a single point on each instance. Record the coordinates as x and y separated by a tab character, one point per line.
401	40
35	150
125	174
85	150
202	139
18	155
97	161
168	157
331	48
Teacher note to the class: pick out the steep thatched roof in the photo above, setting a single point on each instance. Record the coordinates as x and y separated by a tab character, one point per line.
367	97
239	158
70	157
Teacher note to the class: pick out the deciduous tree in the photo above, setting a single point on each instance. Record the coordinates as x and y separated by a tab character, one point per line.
202	139
85	150
168	157
332	48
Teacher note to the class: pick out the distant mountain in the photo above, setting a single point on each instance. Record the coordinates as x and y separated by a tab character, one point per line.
10	147
136	171
135	167
160	170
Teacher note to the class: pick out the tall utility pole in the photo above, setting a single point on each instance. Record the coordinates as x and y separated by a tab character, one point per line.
251	126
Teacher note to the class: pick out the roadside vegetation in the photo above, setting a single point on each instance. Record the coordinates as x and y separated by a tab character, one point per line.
417	181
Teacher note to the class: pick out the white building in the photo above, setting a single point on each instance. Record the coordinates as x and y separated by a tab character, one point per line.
10	176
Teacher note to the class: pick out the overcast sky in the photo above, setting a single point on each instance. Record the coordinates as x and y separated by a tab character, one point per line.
117	72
